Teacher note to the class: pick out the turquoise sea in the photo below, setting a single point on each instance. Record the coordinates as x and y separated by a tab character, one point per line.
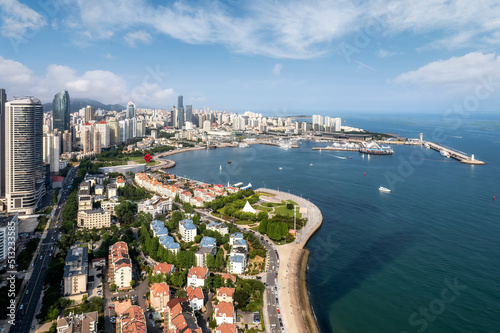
424	258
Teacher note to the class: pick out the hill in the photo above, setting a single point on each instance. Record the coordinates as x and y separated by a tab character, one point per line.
78	103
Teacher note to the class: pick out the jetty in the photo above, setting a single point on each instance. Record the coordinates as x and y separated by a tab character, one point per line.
335	148
455	154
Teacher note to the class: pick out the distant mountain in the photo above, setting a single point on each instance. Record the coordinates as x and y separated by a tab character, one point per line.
78	103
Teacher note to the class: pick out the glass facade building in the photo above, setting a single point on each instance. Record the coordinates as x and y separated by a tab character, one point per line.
61	111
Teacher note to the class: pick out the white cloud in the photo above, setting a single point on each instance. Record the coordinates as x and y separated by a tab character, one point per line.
456	72
101	85
385	53
132	38
19	20
293	28
277	69
14	72
108	56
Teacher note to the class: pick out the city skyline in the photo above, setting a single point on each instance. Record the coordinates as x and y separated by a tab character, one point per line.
281	58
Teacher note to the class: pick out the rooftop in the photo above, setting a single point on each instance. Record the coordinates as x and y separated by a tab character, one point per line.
188	224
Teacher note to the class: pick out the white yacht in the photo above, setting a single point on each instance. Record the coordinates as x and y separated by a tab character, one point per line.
444	153
384	189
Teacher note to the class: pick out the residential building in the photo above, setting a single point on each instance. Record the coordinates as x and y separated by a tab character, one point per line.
52	150
24	174
159	296
226	276
89	113
226	328
131	320
224	294
76	270
112	190
208	245
8	234
78	323
3	100
96	142
163	268
187	230
95	218
224	313
169	243
195	297
103	128
235	236
120	265
158	228
196	276
179	317
221	228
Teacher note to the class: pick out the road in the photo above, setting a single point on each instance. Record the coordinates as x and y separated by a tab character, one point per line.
270	278
32	295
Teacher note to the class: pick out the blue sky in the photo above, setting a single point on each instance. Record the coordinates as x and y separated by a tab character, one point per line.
276	57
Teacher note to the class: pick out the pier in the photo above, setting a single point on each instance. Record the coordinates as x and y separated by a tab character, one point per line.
335	148
459	156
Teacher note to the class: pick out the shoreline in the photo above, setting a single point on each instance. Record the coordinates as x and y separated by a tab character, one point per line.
298	317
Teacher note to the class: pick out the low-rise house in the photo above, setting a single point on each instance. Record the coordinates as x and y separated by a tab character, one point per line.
120	182
112	191
158	228
237	264
131	321
195	297
109	205
224	294
187	229
80	323
99	190
159	296
169	243
179	317
235	236
209	197
224	313
221	228
196	276
164	268
208	245
226	276
185	196
226	328
197	202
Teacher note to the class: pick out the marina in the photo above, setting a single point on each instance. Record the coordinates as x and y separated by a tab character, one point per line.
452	153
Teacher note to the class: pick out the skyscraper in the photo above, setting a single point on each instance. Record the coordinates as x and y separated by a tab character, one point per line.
52	150
3	100
89	113
60	111
24	173
180	112
130	110
189	113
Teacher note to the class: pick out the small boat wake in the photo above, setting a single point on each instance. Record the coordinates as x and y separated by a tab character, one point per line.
339	157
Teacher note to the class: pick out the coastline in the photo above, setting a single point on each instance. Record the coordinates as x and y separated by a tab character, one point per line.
296	310
298	317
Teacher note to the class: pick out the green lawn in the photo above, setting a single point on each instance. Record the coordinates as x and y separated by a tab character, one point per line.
282	210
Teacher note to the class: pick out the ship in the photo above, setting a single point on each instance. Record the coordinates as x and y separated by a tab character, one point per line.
444	153
384	189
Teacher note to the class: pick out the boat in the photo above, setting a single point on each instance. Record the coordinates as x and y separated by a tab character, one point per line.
243	145
228	162
248	187
384	189
220	167
311	164
280	168
444	153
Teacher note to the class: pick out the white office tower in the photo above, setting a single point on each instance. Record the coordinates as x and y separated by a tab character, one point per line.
338	124
24	176
103	128
124	130
141	128
52	150
206	125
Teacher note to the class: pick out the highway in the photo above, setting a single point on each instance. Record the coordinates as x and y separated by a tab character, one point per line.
33	291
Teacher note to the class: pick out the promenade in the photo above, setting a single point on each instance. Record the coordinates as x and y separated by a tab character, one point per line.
295	307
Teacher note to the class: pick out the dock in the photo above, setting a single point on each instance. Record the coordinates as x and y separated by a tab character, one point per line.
459	156
335	148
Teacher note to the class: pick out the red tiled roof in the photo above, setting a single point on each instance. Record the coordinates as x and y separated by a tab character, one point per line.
159	289
199	272
226	328
229	292
224	307
194	293
163	268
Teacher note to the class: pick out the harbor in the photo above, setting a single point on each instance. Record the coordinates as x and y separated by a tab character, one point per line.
452	153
